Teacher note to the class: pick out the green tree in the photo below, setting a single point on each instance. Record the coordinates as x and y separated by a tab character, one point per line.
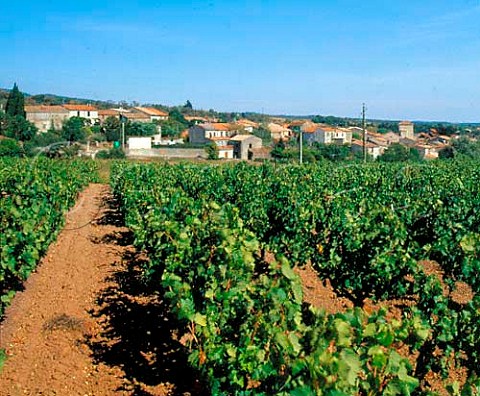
112	129
264	134
74	129
398	153
171	128
188	105
10	148
212	151
278	151
331	152
19	128
15	103
175	115
140	129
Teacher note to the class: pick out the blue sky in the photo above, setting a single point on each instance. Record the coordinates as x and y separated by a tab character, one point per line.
406	59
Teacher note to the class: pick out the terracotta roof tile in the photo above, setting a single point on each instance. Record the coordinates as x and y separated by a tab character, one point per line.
45	109
78	107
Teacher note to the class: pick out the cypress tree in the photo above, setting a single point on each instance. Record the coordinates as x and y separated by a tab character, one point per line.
15	103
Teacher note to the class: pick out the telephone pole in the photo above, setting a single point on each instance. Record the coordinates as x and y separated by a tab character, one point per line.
364	127
301	146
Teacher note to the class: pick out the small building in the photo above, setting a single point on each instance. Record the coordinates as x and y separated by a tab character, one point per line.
136	117
247	125
242	144
204	133
279	132
85	111
152	112
140	142
326	134
427	151
225	152
106	113
391	137
372	149
406	130
44	117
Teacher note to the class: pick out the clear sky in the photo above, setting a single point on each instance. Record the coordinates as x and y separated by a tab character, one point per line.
406	59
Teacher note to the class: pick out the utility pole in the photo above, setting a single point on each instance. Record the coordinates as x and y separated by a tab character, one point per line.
364	127
123	133
301	146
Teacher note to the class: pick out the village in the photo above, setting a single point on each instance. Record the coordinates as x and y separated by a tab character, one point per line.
231	140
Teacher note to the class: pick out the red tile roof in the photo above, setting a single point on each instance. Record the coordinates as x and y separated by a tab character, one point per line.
151	111
78	107
136	116
45	109
108	112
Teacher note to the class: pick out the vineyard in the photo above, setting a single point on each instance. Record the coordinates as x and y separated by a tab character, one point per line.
34	198
224	244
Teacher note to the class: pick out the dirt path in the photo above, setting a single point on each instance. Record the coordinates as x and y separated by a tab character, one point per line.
85	324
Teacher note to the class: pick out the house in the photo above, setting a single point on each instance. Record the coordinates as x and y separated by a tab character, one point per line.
225	151
279	132
355	129
427	151
44	117
406	130
326	134
205	133
104	114
85	111
247	125
377	139
407	142
153	113
136	117
372	149
391	137
441	139
242	144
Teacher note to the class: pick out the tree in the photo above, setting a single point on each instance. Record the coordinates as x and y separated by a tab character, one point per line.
171	127
397	152
461	147
10	148
264	134
19	128
74	129
188	105
15	103
175	115
331	152
140	129
212	151
111	129
278	151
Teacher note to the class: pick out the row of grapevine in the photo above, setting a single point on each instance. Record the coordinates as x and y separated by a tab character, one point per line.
35	195
365	228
